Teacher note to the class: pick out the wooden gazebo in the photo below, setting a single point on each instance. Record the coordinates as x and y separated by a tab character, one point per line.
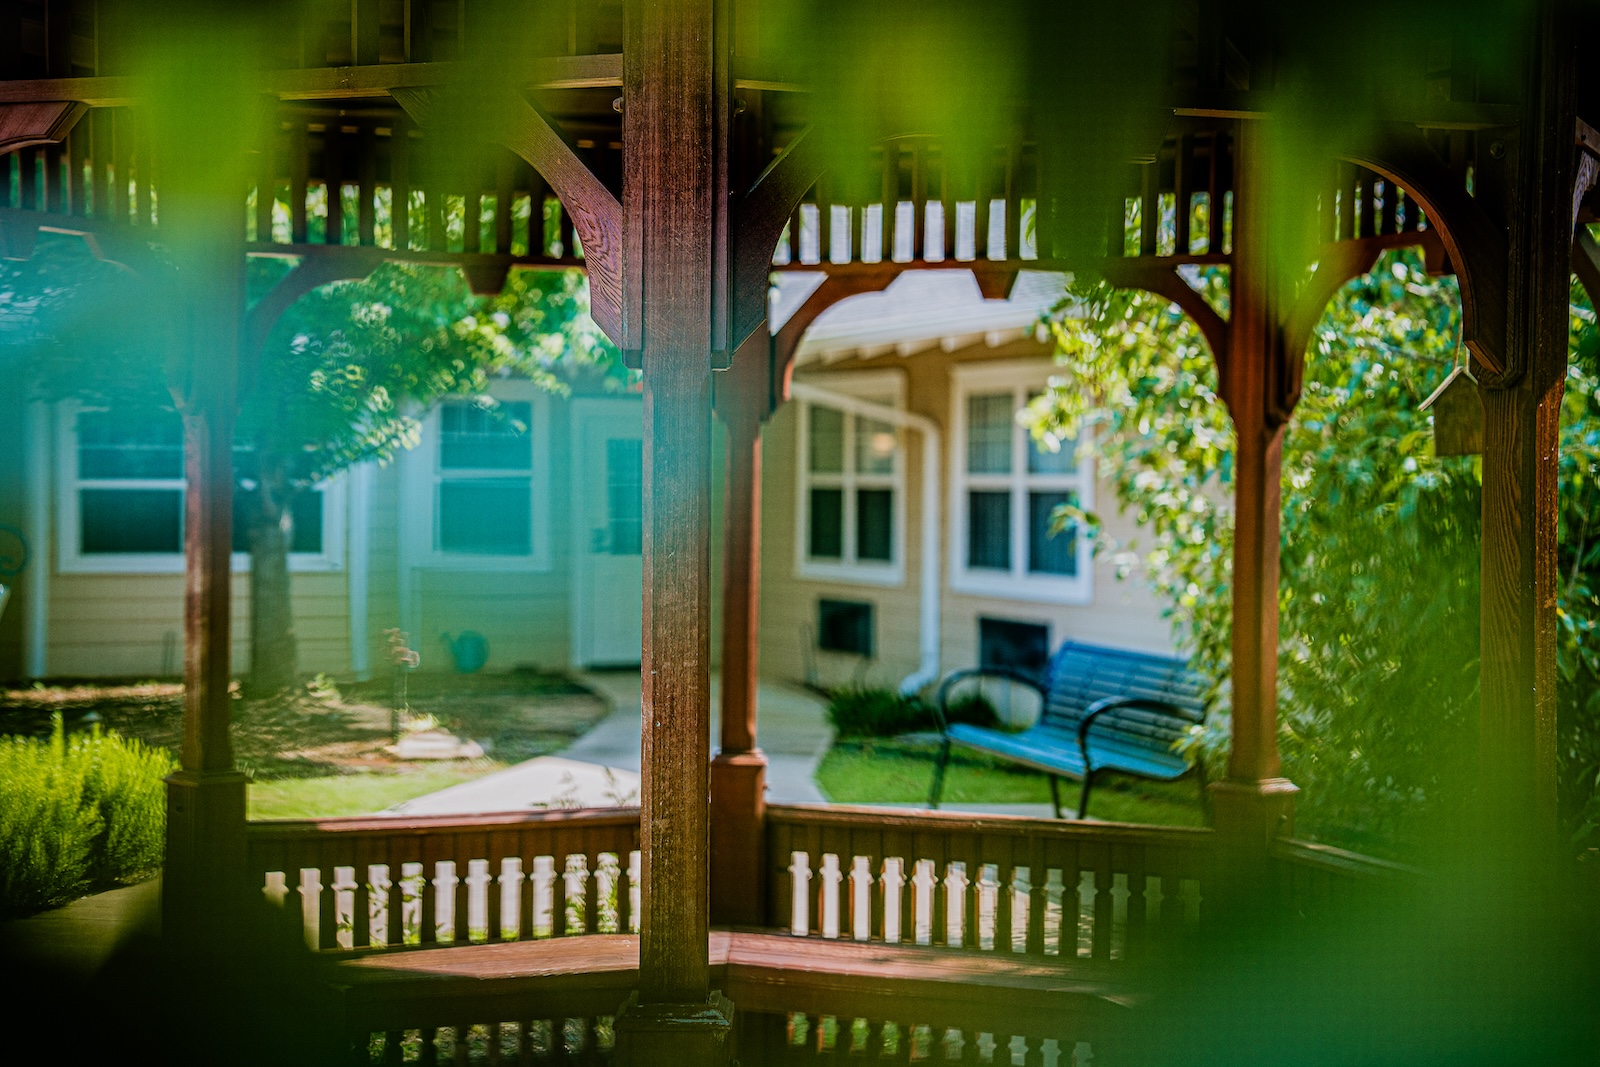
685	146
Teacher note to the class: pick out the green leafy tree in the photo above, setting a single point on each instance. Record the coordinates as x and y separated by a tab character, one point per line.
1379	594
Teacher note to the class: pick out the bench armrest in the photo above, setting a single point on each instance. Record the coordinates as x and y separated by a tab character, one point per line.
1101	707
941	701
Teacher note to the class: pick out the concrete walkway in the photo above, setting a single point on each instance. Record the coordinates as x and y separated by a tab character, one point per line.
601	768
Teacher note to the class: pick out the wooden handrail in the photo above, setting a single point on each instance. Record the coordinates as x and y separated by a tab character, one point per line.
1341	861
424	825
968	823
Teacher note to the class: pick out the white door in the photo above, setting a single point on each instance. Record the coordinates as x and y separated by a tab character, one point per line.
608	506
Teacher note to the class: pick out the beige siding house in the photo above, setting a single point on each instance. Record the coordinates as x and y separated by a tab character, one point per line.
881	570
905	519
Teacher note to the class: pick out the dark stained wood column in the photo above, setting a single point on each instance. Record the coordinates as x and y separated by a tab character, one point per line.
739	771
203	877
670	147
1521	453
1259	383
205	117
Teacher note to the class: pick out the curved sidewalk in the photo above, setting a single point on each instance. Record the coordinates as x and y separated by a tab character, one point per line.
601	768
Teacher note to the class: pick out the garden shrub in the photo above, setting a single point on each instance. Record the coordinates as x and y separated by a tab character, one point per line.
865	711
76	814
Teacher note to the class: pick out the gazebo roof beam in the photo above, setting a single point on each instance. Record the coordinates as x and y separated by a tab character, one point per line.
1261	103
379	79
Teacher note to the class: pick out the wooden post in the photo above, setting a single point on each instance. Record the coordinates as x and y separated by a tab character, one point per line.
199	92
1255	803
739	771
201	890
1521	454
672	235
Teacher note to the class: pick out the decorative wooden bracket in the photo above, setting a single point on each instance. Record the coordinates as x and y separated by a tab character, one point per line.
758	223
1338	263
786	342
1477	247
312	272
1164	281
1588	174
596	215
29	124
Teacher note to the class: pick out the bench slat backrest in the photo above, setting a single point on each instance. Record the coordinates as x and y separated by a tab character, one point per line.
1080	674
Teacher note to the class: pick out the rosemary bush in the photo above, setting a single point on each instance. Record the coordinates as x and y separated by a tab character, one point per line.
77	813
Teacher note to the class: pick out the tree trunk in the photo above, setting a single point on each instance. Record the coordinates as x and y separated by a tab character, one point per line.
274	660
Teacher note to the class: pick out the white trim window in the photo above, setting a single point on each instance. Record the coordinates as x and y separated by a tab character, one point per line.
1005	488
489	469
121	500
851	489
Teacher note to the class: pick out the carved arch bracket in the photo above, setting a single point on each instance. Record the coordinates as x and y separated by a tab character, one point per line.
759	219
312	272
596	215
1164	281
1476	245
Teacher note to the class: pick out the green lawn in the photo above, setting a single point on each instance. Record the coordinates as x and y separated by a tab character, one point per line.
354	794
887	771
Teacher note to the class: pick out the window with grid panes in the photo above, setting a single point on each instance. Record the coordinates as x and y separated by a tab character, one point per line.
484	497
1008	490
852	473
123	502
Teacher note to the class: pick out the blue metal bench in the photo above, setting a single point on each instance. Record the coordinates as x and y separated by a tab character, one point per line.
1103	709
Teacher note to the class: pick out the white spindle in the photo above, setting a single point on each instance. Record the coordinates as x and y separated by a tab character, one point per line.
344	906
478	879
411	882
955	903
1021	907
607	873
276	889
922	882
443	918
383	926
893	880
1054	891
966	247
840	232
1087	891
861	898
510	917
310	912
800	880
543	896
828	893
988	904
933	232
635	889
575	881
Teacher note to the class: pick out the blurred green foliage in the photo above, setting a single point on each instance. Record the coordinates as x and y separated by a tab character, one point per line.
1378	660
866	711
77	813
